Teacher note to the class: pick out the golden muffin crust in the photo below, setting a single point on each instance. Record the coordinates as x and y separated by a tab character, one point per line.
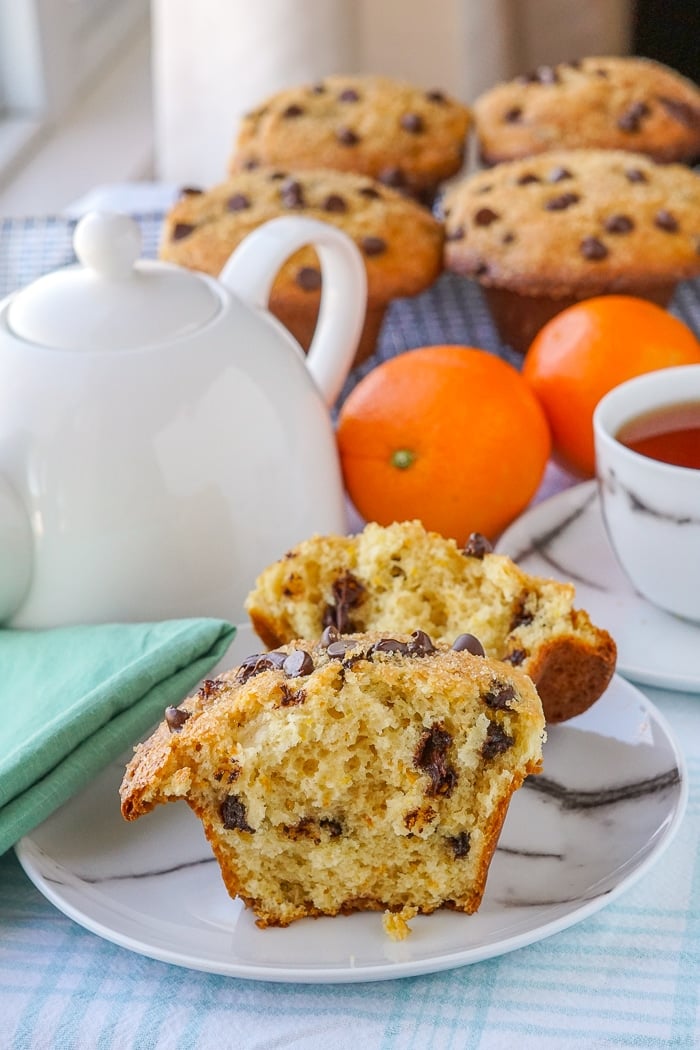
607	103
576	222
404	136
362	773
401	576
400	242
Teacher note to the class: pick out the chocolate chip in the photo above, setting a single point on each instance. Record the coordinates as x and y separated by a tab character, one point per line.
292	194
497	741
347	137
521	614
291	697
468	643
251	164
370	192
298	664
619	224
431	758
348	593
182	229
175	718
332	826
259	662
481	269
191	191
330	634
421	644
392	177
593	249
507	238
681	111
459	844
233	814
499	696
632	118
349	95
513	115
665	220
485	216
210	688
436	96
337	650
389	645
477	545
412	122
601	72
559	175
318	88
527	178
275	176
484	189
515	657
308	278
294	110
373	245
636	175
456	234
565	200
238	202
335	203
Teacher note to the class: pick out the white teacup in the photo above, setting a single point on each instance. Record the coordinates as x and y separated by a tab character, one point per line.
651	508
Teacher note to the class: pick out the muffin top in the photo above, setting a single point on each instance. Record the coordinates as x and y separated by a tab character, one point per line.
575	220
404	136
401	242
608	103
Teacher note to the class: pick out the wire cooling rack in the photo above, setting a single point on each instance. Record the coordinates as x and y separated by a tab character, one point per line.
452	311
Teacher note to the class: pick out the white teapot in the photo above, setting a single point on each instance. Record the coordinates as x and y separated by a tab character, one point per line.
162	436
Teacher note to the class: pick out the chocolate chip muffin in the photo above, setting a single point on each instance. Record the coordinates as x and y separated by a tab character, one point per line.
606	103
403	136
401	243
543	233
400	576
366	773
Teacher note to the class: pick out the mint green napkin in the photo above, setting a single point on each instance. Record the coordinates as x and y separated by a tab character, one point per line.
72	699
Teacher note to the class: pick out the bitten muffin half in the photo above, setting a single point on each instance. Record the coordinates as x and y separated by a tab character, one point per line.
368	772
401	243
395	577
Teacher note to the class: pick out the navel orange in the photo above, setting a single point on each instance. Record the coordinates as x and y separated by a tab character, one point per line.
588	349
451	435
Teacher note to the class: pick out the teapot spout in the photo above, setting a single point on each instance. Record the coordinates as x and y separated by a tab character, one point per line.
15	551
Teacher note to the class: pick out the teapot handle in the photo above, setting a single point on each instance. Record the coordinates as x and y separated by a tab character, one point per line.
251	271
15	551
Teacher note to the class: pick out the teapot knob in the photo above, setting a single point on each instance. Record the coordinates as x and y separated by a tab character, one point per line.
107	243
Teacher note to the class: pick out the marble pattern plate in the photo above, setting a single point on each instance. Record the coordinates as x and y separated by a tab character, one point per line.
564	537
607	806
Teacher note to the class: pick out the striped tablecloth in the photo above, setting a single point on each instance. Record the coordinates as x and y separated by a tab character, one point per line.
629	976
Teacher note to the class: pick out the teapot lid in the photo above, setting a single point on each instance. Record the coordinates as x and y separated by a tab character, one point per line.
111	301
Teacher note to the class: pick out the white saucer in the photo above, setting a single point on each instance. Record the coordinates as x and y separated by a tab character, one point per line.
609	804
564	538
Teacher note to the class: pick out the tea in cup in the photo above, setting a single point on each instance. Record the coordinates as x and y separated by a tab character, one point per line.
647	444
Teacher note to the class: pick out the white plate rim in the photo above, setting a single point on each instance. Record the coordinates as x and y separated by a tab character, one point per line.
30	856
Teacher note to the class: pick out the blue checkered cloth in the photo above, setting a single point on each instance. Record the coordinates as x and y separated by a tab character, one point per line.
628	976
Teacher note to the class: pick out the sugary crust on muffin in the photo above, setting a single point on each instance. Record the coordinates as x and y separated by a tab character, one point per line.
575	222
394	577
373	125
401	243
371	778
607	103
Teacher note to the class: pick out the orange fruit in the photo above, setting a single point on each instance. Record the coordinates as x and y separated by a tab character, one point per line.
588	349
447	434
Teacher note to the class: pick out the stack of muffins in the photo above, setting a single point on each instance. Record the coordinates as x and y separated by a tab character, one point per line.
588	190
